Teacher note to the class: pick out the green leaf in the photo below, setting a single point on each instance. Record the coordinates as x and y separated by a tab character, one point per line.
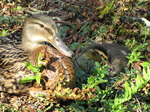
19	8
39	61
97	64
127	90
35	69
74	46
27	79
73	26
38	78
145	64
65	28
139	81
31	67
41	95
4	33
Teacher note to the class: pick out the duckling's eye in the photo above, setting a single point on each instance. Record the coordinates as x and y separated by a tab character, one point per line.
101	54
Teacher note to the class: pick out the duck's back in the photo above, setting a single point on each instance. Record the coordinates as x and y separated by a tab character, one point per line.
12	67
11	55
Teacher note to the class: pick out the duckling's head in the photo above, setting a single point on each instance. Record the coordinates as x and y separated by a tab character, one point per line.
41	28
91	54
95	52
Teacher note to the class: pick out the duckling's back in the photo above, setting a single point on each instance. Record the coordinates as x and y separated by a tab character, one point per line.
116	57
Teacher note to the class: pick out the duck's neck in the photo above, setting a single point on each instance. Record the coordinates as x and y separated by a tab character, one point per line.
33	49
30	44
33	55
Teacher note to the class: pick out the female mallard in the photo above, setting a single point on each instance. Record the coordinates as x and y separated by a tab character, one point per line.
37	30
114	54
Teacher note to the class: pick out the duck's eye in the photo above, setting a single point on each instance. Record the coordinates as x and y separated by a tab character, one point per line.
57	40
41	25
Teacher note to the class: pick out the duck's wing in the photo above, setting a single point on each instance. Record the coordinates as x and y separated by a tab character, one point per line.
58	70
11	57
12	67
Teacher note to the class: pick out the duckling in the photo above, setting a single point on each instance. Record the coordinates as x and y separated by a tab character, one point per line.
114	54
37	30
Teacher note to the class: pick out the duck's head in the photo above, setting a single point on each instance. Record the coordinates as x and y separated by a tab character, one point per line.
41	28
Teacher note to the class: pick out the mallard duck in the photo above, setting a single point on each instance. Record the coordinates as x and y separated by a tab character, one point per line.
114	54
37	30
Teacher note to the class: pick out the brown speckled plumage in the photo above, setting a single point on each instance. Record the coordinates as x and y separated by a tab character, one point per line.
37	30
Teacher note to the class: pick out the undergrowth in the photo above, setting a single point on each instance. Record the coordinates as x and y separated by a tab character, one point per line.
129	91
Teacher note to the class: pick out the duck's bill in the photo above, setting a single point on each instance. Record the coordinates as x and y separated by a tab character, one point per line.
61	47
